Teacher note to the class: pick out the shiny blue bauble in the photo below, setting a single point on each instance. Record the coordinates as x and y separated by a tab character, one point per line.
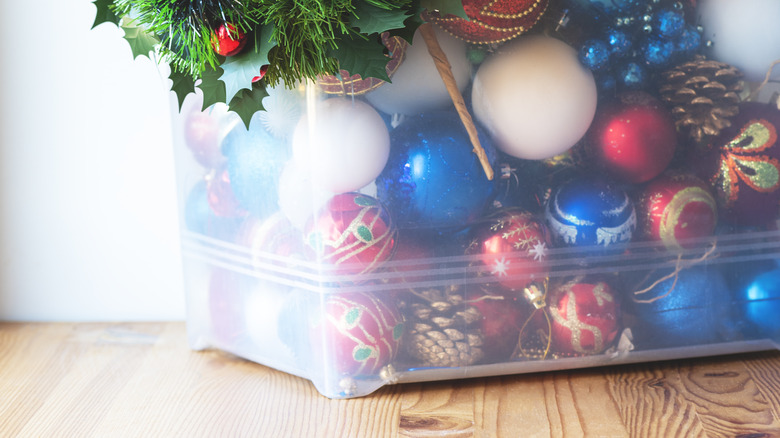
432	178
587	212
759	305
695	312
255	162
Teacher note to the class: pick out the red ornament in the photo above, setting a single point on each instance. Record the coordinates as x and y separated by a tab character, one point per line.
201	136
220	196
584	317
271	241
512	245
502	318
226	308
491	21
677	208
263	71
356	334
228	40
634	139
413	259
348	84
352	234
744	166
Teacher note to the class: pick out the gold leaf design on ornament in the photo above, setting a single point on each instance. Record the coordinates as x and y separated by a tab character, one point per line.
761	173
756	136
738	162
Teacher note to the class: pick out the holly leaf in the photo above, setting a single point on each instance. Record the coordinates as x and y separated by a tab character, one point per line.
410	27
410	24
264	40
105	14
247	102
213	89
364	57
183	84
141	42
452	7
371	19
238	71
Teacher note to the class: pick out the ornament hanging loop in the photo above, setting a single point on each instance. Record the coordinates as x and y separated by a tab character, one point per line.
445	71
679	266
535	295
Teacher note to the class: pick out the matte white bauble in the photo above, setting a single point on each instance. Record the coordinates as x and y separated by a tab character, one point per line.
744	33
344	142
299	197
417	86
534	97
264	317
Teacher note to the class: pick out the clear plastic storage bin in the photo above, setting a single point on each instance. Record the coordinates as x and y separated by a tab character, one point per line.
607	192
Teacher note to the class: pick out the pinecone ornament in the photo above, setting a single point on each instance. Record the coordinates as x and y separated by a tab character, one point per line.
703	94
443	329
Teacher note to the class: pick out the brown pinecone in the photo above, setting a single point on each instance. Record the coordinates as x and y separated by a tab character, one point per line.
703	94
443	330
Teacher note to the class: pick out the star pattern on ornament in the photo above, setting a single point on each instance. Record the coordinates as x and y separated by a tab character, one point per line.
539	250
500	267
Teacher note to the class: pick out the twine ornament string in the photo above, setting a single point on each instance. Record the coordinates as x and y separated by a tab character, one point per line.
766	80
679	266
445	71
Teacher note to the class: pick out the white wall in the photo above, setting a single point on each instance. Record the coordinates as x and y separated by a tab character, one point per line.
88	225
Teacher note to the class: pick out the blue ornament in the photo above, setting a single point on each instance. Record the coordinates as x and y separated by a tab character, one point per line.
591	212
658	52
632	76
432	178
255	162
619	42
759	304
669	23
594	54
200	218
689	308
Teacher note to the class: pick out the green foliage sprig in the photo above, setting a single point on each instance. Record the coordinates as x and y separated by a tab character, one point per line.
295	39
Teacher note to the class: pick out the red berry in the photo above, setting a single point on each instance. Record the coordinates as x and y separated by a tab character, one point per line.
263	71
228	40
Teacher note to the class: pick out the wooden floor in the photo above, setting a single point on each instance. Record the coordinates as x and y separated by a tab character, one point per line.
141	380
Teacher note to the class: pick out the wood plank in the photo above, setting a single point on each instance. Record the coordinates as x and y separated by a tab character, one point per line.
649	400
143	380
727	398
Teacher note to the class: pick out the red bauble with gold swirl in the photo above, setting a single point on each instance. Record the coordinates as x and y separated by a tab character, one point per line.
678	209
584	315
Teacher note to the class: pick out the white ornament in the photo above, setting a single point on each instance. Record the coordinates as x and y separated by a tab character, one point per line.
343	142
534	97
416	85
264	307
744	33
299	197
